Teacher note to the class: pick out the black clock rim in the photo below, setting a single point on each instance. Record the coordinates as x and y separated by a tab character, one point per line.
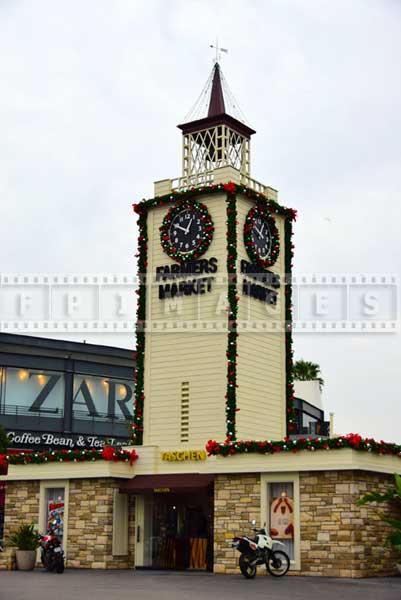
200	249
266	262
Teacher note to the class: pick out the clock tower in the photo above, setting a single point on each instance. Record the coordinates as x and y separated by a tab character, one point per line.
214	308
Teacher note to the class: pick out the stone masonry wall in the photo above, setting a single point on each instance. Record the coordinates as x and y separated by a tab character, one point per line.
21	505
90	525
90	521
339	538
236	503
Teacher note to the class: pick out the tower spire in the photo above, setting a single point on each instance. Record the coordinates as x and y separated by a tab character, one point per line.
212	136
216	104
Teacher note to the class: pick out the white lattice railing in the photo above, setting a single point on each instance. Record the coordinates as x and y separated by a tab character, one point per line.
183	183
253	184
209	177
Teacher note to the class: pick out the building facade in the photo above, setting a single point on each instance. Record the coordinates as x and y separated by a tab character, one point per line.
56	395
214	362
59	394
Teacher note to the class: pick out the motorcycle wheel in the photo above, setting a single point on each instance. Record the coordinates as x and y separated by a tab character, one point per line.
278	563
48	562
247	569
60	565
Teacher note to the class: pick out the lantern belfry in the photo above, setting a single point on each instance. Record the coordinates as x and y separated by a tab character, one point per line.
216	134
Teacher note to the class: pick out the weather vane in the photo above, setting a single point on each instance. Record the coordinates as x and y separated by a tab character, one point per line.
218	50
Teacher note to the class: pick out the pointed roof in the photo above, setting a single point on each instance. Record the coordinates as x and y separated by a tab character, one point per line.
216	106
216	103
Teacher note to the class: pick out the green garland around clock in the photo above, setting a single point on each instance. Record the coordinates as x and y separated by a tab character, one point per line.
206	237
260	211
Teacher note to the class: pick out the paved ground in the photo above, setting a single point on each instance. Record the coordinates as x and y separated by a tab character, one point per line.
156	585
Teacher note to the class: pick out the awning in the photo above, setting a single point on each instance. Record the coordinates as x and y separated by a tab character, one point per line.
164	484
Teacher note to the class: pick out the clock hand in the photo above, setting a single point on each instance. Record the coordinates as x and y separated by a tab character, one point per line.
259	232
262	229
179	227
190	223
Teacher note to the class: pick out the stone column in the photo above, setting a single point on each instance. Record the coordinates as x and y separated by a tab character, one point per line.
236	503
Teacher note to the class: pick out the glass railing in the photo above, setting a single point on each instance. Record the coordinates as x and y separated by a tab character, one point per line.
24	411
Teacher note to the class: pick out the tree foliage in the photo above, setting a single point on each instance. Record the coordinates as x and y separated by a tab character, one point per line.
393	495
304	370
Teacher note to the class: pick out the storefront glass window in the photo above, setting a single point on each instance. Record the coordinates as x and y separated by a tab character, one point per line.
55	511
178	531
29	392
102	397
281	515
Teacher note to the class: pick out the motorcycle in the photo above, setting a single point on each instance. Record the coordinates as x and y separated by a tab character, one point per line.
51	552
258	551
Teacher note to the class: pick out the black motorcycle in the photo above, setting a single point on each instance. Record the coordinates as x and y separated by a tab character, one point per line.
259	551
51	552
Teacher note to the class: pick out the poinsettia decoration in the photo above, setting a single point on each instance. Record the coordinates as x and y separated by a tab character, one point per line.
351	440
85	455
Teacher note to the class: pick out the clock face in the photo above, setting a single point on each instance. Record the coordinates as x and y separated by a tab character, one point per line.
261	236
187	230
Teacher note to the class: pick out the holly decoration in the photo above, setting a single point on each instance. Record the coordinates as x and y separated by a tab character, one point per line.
204	242
86	455
260	210
351	440
181	200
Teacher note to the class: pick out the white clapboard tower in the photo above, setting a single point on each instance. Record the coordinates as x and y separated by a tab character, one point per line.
186	372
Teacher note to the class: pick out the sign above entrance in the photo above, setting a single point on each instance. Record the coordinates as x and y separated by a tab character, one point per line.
28	439
181	455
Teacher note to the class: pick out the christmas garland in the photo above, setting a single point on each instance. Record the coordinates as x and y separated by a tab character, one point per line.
289	353
232	310
351	440
139	355
182	198
48	456
208	229
260	211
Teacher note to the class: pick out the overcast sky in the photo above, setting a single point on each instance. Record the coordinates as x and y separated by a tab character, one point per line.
92	91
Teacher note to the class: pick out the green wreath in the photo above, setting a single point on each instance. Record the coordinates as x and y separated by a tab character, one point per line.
263	263
204	243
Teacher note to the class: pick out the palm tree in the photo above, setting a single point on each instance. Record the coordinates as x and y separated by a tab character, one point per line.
304	370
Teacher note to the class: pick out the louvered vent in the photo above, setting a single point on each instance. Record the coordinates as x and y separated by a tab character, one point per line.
184	411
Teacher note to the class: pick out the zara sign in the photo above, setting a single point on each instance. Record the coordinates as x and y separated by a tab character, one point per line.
28	391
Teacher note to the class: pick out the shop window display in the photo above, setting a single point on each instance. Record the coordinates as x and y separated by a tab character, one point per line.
281	514
55	511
